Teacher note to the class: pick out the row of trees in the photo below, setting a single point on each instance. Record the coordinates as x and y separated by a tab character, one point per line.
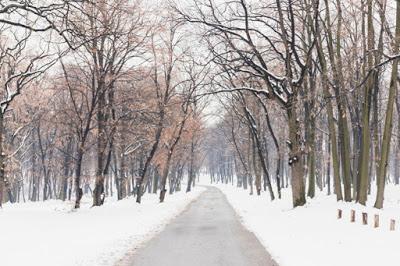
108	101
309	90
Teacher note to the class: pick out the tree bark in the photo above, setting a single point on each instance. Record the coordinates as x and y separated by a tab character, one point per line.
140	184
78	173
365	131
387	134
295	156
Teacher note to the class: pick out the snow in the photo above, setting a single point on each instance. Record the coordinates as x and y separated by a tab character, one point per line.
313	236
50	233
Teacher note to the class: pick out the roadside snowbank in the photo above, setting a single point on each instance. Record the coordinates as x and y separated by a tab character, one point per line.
313	236
49	233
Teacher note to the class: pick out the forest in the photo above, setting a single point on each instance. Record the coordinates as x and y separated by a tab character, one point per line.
310	96
280	117
107	101
112	97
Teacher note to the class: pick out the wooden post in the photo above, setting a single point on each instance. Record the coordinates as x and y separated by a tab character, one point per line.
364	218
376	221
353	216
392	225
339	214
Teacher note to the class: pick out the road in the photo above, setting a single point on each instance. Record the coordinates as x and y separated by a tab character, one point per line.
208	233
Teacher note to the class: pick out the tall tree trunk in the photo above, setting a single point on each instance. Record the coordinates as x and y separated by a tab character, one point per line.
78	173
169	157
387	133
2	161
397	156
276	144
258	156
140	184
295	155
191	167
309	103
343	129
98	192
66	172
256	165
365	131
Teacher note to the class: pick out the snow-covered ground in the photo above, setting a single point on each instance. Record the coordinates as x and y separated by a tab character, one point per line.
50	234
313	236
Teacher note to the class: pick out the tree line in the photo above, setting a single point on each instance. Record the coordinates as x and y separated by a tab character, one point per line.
117	91
97	98
309	91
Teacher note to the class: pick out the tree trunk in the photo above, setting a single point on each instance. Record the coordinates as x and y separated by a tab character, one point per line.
2	160
343	130
66	172
387	133
191	166
397	156
140	183
365	131
78	172
98	192
256	166
295	156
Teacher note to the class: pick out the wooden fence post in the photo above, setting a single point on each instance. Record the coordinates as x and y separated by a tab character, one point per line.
376	220
353	216
339	214
392	225
365	218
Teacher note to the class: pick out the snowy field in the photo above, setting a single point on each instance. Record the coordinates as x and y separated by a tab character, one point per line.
50	234
313	236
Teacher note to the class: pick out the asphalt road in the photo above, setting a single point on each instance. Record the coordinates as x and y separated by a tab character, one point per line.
208	233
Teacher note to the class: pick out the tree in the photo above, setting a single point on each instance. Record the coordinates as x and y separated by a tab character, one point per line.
243	55
387	134
19	69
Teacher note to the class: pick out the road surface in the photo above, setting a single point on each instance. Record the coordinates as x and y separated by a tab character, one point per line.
208	233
